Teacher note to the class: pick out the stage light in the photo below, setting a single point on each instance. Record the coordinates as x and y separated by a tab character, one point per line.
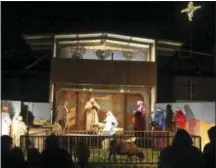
121	90
84	89
90	89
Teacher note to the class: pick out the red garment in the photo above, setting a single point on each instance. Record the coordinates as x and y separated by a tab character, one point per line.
139	121
180	119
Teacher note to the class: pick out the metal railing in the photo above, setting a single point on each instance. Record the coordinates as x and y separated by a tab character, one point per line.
149	143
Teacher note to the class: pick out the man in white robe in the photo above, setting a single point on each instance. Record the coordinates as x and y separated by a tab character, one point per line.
6	121
91	110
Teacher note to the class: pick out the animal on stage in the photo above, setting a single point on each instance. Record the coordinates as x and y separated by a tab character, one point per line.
118	146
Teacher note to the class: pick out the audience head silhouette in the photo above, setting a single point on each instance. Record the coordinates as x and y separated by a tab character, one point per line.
52	142
212	134
182	138
18	157
6	142
33	156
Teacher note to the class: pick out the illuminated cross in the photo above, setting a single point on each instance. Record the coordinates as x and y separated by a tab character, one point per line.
190	10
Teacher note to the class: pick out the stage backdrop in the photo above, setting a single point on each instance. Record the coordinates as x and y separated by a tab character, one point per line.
200	116
121	105
40	111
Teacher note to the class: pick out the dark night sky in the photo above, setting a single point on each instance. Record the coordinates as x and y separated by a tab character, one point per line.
151	19
161	20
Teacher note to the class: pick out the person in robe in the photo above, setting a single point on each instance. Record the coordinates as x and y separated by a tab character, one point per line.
169	118
6	121
179	119
19	128
139	119
91	110
159	118
62	117
110	124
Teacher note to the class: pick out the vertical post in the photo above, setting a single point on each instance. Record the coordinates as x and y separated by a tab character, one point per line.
125	111
51	101
77	109
54	104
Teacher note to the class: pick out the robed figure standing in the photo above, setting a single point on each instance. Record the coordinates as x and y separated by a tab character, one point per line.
6	121
169	118
91	110
62	117
139	117
179	119
159	118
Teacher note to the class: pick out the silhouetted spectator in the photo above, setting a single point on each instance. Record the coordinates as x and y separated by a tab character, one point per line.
169	118
6	145
33	157
17	158
82	153
210	149
52	142
181	154
53	156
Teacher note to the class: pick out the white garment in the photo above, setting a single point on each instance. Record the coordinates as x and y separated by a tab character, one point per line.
110	124
19	129
6	123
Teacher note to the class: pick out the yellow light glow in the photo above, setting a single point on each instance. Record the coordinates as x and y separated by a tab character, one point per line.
121	90
102	47
139	45
80	41
142	40
116	42
170	43
90	35
190	10
119	36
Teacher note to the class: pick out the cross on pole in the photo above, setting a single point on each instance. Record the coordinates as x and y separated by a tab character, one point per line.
190	10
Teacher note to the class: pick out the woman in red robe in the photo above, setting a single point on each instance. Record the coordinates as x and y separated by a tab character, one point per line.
179	119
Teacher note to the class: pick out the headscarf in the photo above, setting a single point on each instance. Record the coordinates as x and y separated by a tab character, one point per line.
111	118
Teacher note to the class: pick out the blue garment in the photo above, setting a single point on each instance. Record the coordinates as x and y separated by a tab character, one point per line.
159	118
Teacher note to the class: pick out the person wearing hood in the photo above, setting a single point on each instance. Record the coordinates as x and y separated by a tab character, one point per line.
159	118
210	149
6	121
139	119
180	119
110	123
169	118
182	153
91	110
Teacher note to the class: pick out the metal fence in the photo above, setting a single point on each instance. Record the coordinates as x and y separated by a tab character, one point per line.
149	143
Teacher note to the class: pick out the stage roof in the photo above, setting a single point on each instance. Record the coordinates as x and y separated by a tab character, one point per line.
46	42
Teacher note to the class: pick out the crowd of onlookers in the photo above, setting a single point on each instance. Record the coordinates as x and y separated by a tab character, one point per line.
181	154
